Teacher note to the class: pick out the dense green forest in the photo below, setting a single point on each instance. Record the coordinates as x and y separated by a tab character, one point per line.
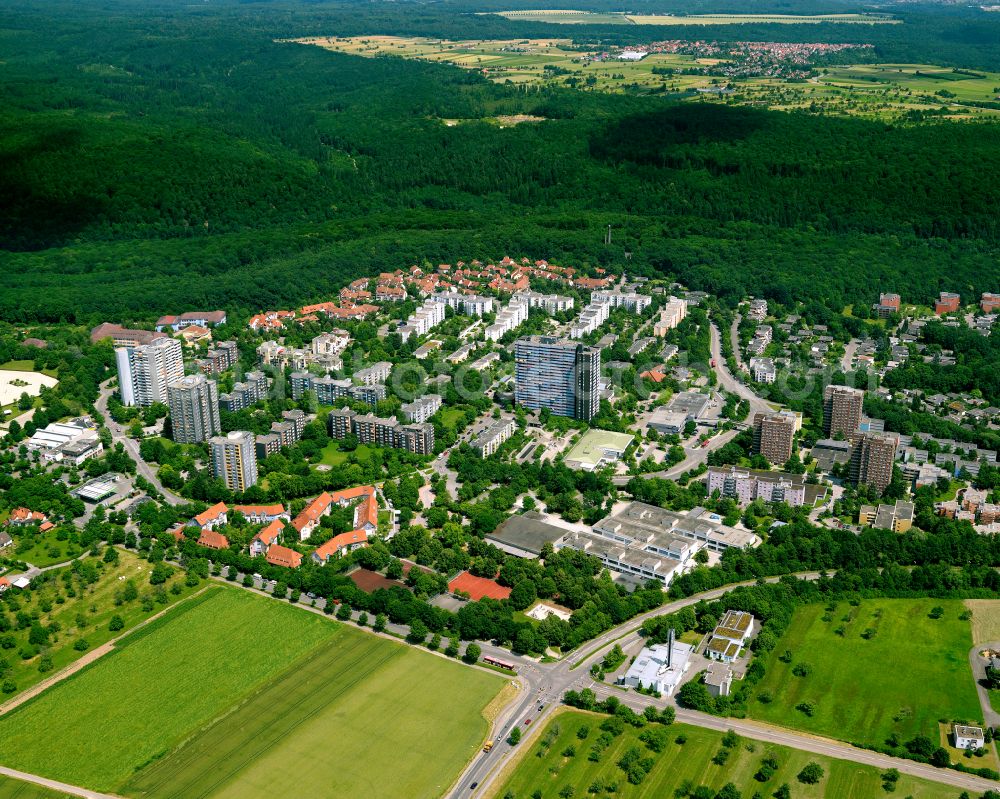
163	156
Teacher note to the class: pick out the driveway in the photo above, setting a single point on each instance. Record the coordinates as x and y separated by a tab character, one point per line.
978	664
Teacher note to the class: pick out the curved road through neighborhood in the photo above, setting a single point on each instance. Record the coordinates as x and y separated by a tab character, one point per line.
118	435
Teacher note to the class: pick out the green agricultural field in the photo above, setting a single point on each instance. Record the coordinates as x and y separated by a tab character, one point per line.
870	90
689	763
356	702
82	603
168	680
880	668
568	17
15	789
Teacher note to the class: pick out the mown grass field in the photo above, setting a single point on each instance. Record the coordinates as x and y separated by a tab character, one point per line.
911	672
169	679
875	90
354	705
87	614
985	619
687	763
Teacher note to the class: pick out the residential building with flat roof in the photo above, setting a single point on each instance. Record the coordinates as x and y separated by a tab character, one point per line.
491	439
234	459
872	458
842	408
194	409
144	372
557	374
897	517
746	485
422	408
773	434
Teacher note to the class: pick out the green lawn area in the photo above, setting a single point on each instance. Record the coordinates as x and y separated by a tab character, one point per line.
15	789
332	456
43	549
26	366
910	673
355	703
678	763
84	614
451	416
166	681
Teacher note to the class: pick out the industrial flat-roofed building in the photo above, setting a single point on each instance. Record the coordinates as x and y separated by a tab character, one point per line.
639	521
524	536
598	448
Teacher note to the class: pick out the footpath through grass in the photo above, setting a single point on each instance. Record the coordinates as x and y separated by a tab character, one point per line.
360	716
689	757
136	704
862	673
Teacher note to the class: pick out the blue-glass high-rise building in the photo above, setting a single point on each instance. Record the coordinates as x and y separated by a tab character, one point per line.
561	375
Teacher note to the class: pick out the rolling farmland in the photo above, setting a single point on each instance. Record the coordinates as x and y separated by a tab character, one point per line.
885	91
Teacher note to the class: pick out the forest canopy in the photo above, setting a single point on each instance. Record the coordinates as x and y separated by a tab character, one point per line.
158	156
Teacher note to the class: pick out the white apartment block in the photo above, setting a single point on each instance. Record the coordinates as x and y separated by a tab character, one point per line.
468	304
637	303
145	372
671	315
332	343
422	408
514	315
427	316
591	318
376	373
551	303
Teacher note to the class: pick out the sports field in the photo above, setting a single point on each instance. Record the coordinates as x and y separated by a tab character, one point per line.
169	679
870	90
862	673
569	17
689	763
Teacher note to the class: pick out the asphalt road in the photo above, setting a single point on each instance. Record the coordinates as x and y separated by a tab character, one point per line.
132	447
731	383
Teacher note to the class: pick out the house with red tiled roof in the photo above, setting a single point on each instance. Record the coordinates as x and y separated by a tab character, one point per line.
215	516
308	519
177	533
4	584
656	374
213	540
44	527
278	555
20	516
592	282
266	538
340	545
